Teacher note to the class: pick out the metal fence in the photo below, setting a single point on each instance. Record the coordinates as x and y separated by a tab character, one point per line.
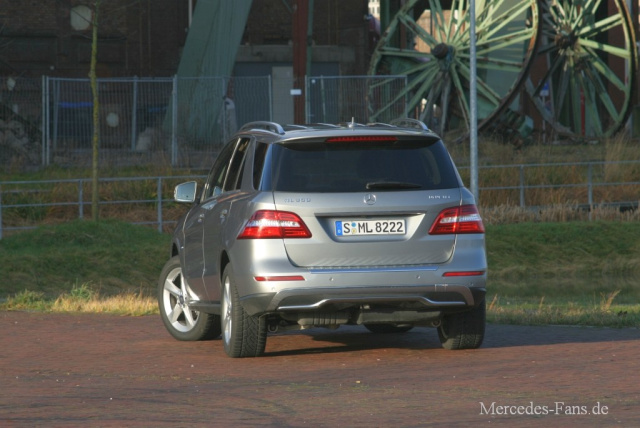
140	200
582	184
176	120
361	98
20	121
181	121
146	200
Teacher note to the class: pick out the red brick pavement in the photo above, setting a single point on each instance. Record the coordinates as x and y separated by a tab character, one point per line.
102	370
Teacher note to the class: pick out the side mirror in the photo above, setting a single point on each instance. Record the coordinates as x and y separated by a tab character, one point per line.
185	192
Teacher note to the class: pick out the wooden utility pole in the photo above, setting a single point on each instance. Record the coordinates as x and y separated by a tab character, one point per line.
96	113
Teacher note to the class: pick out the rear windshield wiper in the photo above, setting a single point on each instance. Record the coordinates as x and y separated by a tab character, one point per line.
391	185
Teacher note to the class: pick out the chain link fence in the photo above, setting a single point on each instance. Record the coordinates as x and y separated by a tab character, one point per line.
361	98
181	121
175	120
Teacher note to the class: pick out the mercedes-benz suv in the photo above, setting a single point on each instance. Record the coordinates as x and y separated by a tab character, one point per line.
326	225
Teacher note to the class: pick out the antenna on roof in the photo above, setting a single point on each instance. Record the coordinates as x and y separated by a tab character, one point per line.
353	122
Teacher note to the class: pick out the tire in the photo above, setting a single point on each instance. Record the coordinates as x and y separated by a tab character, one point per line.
243	335
388	328
463	330
182	322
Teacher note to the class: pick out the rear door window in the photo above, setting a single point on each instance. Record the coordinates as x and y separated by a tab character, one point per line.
218	173
354	167
259	157
234	177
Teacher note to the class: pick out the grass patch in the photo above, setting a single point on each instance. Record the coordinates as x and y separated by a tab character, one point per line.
114	257
546	251
580	273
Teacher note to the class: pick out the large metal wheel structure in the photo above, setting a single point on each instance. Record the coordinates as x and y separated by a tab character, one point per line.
574	62
585	67
431	46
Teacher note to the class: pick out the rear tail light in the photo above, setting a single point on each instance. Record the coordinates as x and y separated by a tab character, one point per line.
464	273
279	278
270	224
463	219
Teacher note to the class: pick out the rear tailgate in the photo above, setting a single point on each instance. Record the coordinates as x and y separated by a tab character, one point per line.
369	229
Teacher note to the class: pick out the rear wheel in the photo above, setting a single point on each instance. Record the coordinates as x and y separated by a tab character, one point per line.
463	330
243	335
388	328
174	296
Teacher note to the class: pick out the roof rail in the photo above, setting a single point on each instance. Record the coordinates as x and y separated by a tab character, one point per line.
276	128
292	127
321	125
410	123
386	125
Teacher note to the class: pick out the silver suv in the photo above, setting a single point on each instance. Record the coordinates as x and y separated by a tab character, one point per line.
324	225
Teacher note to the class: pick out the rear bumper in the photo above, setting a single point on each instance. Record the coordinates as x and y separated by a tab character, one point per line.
437	297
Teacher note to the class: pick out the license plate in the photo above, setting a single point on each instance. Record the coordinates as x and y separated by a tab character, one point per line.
370	227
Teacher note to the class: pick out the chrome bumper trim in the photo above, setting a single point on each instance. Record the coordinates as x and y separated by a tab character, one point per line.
333	271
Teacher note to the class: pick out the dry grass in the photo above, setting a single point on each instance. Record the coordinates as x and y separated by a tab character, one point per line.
84	299
124	304
500	197
544	312
550	179
505	214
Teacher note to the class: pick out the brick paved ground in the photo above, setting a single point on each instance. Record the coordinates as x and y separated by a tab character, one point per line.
102	370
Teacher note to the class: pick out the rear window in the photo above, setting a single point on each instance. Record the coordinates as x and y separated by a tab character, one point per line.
355	167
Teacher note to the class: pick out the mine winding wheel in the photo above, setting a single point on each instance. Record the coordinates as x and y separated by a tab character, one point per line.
576	61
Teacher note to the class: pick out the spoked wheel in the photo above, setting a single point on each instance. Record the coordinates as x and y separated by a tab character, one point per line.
180	320
584	72
243	335
431	46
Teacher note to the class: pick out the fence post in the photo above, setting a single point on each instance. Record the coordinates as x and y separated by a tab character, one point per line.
134	113
0	212
56	113
521	186
322	98
307	109
226	135
159	196
80	200
406	97
174	121
590	188
44	120
269	87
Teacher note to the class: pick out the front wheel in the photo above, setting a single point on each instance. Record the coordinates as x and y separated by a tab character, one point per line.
463	330
174	295
243	335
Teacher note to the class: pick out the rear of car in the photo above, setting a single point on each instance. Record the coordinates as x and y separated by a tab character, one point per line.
362	225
